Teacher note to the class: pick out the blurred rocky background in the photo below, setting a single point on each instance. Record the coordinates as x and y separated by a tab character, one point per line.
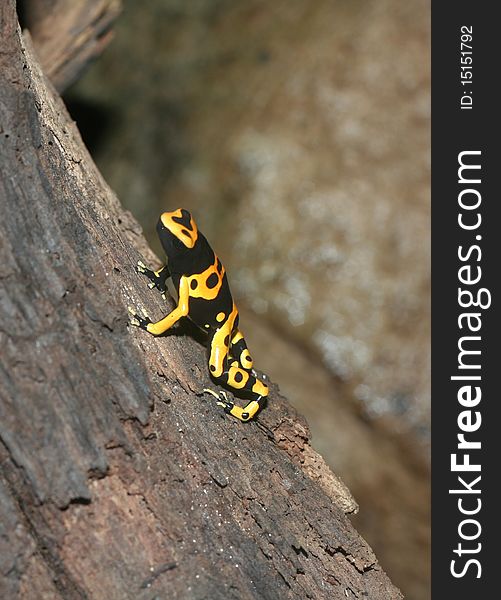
298	133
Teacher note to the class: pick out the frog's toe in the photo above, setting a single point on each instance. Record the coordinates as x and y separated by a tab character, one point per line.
138	321
222	399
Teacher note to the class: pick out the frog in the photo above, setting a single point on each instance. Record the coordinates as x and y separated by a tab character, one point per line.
200	287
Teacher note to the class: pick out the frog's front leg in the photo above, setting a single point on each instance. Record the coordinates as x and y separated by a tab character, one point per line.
168	321
157	279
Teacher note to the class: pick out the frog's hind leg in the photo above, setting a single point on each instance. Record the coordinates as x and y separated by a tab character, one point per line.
246	384
227	370
242	383
239	351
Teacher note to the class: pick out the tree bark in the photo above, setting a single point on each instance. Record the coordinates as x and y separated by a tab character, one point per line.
67	34
119	477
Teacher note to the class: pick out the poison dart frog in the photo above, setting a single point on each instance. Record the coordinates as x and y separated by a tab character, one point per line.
204	296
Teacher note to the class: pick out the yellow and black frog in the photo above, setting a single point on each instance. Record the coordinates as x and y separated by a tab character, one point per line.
203	294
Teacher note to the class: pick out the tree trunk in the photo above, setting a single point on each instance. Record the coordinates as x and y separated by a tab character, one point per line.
119	477
67	34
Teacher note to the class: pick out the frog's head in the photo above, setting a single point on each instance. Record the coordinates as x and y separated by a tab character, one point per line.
177	231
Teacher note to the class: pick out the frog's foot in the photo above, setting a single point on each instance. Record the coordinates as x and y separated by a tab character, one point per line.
157	278
139	321
242	414
222	399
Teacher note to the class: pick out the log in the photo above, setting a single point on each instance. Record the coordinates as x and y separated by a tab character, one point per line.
119	477
68	34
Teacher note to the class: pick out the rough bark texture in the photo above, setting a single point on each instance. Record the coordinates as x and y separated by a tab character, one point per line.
68	33
119	478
